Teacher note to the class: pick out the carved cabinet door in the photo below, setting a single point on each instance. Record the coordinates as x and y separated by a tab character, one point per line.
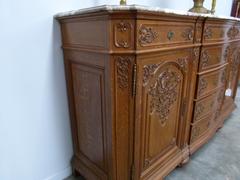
161	101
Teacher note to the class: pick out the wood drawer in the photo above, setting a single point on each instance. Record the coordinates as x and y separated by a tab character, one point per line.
212	56
161	33
208	82
204	106
214	32
198	128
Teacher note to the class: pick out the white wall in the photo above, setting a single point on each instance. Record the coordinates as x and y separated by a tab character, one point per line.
35	138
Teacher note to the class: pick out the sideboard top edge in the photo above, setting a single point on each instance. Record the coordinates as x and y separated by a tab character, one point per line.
137	8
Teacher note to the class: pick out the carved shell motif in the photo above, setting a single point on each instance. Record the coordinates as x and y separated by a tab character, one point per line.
146	35
164	93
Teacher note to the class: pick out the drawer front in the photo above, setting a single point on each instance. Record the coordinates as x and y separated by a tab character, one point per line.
214	32
199	128
213	56
161	33
204	106
210	81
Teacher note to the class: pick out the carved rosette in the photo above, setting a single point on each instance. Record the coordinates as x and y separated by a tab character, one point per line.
188	34
205	58
146	35
123	34
164	93
123	64
148	71
202	85
207	33
232	32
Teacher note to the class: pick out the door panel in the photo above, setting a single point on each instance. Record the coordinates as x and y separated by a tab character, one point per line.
160	102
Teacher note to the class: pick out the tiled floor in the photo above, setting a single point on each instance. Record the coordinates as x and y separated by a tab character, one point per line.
217	160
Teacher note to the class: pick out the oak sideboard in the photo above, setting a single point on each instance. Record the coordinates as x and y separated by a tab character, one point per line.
146	87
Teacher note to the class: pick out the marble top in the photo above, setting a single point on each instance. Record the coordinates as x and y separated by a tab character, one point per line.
140	8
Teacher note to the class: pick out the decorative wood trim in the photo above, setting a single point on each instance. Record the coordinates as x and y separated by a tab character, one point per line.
232	32
188	34
123	64
205	58
207	33
183	63
202	85
122	28
198	110
164	93
146	35
148	71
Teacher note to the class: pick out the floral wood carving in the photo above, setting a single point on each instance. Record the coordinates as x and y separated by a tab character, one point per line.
207	33
164	93
148	71
183	62
223	77
188	34
146	35
226	53
123	71
205	58
198	110
195	55
202	85
232	32
195	133
235	60
122	28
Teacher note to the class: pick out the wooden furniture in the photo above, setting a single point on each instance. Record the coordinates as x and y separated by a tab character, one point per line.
146	88
236	13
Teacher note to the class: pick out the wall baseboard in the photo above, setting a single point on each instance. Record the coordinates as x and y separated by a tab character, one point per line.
61	175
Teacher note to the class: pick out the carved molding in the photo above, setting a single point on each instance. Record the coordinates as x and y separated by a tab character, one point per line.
148	71
123	28
123	64
164	93
207	33
205	58
202	85
188	34
223	77
232	32
146	35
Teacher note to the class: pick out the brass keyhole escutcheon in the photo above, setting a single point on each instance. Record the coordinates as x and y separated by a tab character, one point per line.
170	35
